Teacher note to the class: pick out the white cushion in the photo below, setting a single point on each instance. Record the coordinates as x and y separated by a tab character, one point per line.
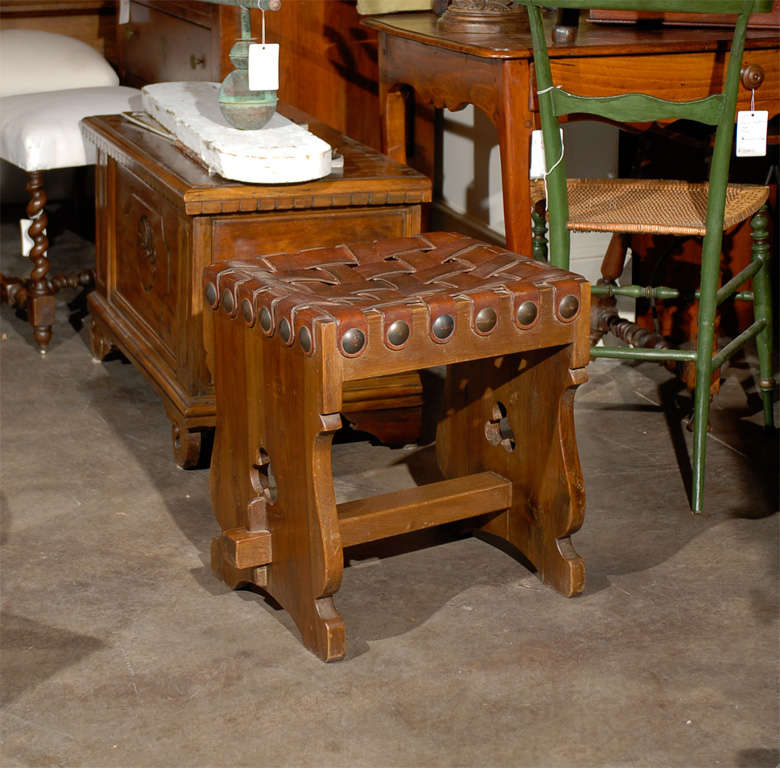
40	131
32	61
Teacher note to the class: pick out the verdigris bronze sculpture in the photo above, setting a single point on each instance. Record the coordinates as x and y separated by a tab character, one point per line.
244	108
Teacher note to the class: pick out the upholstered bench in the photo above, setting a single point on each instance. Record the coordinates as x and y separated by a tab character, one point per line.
48	83
286	331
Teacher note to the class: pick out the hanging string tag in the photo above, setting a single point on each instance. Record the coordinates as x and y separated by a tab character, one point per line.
537	155
538	167
263	63
27	241
752	130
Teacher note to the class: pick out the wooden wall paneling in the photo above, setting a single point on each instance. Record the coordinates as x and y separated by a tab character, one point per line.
328	64
168	40
91	21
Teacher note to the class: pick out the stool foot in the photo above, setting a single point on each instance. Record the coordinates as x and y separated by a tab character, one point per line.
329	633
556	560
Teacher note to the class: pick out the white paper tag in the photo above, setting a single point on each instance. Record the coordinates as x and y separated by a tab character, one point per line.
124	12
264	67
27	241
538	169
751	133
537	155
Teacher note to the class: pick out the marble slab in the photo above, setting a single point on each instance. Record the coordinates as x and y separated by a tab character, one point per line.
280	152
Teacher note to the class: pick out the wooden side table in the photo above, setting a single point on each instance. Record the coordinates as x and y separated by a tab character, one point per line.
161	219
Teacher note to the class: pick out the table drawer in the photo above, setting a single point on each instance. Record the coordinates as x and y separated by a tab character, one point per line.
157	46
666	76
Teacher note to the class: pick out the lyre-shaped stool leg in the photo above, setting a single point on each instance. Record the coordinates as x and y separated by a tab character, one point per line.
514	415
284	433
301	415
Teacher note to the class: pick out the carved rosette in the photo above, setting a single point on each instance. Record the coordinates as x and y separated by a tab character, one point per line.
147	250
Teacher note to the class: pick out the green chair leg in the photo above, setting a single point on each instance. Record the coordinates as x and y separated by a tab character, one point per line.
701	414
710	274
762	308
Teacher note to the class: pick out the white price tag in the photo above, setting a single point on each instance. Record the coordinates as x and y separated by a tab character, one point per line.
538	167
537	155
27	241
751	133
264	67
124	11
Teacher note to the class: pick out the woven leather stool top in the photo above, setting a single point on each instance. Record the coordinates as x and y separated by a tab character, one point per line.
651	206
287	292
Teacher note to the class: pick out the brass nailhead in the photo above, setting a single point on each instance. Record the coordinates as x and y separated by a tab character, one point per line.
285	331
304	336
486	319
527	312
265	319
443	326
228	301
568	307
398	333
352	341
246	311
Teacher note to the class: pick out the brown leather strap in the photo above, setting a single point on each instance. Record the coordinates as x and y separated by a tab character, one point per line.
344	282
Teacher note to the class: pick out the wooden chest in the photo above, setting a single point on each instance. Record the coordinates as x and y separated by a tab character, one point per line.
161	219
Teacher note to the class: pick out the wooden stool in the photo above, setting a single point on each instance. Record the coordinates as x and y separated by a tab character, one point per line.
290	329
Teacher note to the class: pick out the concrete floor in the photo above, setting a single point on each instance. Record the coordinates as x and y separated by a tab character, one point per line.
119	647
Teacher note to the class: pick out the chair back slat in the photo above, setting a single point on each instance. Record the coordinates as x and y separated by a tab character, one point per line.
639	107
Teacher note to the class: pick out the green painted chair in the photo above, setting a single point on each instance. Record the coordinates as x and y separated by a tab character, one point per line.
703	209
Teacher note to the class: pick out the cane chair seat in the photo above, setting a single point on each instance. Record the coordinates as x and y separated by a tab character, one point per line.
651	206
